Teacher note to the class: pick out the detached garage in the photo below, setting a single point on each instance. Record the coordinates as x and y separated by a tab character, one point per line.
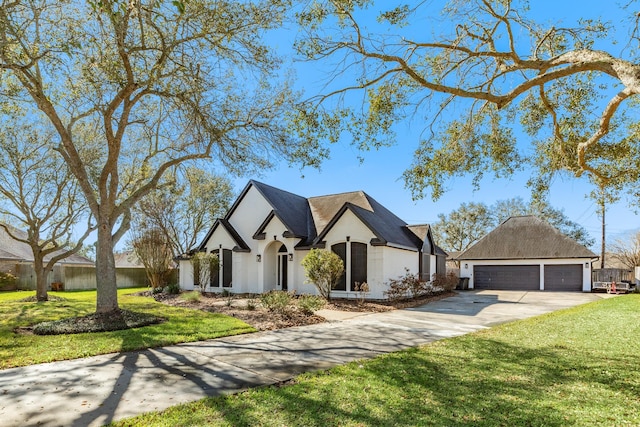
526	253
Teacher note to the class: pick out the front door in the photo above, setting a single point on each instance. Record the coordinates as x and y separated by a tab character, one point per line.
282	267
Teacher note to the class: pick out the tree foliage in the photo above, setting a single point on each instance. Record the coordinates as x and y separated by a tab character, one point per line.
483	73
463	227
155	84
324	269
40	203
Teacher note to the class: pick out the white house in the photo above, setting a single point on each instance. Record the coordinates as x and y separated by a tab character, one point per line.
267	232
526	253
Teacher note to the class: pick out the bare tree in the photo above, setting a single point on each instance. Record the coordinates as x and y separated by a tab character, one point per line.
39	195
186	206
153	249
204	265
162	83
627	250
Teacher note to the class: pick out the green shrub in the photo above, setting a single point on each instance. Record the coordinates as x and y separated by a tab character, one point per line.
324	269
277	301
192	296
311	303
172	288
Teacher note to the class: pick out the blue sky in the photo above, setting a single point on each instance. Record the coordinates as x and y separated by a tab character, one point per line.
380	173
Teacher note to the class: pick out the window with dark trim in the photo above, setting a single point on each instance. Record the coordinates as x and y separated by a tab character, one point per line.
358	264
214	273
227	267
340	249
425	267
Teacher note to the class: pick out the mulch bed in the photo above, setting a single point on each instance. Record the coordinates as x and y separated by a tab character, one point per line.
264	320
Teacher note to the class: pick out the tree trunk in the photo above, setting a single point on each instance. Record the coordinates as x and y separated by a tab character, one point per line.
604	246
41	277
107	295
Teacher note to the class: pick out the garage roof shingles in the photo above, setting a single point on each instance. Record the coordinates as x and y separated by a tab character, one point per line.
525	237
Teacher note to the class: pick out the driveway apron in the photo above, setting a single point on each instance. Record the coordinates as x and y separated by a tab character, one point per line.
97	390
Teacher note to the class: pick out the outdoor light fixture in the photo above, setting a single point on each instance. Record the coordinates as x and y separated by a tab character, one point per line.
586	265
348	238
290	257
258	258
466	266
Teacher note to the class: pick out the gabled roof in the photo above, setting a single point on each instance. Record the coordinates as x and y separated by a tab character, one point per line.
310	219
11	249
241	245
423	232
127	259
525	237
386	226
291	209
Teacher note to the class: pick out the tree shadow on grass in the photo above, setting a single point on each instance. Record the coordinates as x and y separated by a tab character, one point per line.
500	385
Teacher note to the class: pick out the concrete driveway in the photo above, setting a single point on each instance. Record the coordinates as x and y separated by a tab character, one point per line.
101	389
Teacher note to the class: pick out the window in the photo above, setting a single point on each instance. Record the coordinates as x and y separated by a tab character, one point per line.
358	264
227	267
340	249
214	275
355	269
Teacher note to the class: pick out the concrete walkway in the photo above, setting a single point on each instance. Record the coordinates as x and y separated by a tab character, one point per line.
101	389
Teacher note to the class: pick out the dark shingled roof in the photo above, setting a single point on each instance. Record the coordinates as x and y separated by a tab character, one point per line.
422	231
291	209
310	219
525	237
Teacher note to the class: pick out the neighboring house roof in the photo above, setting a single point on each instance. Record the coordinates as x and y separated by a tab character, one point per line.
19	251
525	237
311	219
127	259
4	255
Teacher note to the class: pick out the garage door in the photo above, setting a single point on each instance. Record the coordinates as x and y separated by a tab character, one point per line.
507	277
563	277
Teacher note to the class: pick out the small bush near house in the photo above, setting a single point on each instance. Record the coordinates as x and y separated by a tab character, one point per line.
251	302
277	301
308	304
362	289
173	289
324	269
407	286
7	281
192	296
410	286
444	282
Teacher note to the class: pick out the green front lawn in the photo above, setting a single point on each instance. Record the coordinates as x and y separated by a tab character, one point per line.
182	325
576	367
